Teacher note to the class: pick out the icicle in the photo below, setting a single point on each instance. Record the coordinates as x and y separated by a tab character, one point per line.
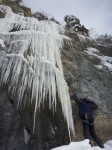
32	62
20	22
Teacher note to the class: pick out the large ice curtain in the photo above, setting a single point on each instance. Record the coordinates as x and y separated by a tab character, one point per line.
31	62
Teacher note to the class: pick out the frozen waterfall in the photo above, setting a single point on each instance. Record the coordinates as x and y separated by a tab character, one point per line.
31	62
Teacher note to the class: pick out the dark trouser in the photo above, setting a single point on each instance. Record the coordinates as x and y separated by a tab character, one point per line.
88	129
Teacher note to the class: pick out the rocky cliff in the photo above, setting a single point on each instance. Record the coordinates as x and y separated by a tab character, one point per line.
87	70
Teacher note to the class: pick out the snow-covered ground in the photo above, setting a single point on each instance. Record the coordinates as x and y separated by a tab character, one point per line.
84	145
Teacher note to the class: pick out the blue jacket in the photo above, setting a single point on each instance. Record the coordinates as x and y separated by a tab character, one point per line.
86	106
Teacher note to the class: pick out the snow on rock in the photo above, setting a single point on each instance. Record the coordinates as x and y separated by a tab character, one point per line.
83	38
105	60
84	145
32	62
99	66
73	24
92	50
2	43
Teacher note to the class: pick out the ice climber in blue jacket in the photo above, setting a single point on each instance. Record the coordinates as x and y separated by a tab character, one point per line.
86	112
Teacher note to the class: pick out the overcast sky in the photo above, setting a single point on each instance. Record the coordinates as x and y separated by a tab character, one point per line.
95	14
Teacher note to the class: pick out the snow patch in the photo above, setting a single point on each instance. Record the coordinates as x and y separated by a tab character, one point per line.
93	50
83	38
105	60
99	66
2	43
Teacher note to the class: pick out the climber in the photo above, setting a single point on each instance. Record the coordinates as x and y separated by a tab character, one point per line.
86	110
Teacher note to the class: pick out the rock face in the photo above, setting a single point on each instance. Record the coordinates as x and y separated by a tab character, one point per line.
40	16
87	76
16	7
11	131
86	79
1	1
16	127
